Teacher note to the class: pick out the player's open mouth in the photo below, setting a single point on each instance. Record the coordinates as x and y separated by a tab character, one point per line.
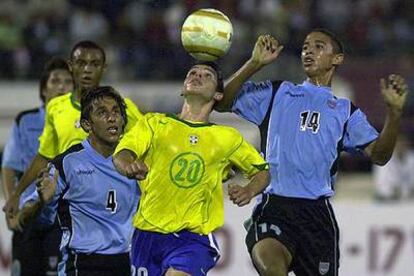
308	61
86	80
195	82
113	130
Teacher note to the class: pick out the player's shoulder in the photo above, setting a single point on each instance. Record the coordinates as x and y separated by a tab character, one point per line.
71	153
154	116
58	101
25	114
227	131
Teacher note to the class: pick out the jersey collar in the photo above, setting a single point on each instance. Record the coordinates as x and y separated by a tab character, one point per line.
75	104
93	153
314	87
189	123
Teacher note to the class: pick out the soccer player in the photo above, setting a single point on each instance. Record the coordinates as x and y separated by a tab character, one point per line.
62	128
304	127
93	201
182	195
34	251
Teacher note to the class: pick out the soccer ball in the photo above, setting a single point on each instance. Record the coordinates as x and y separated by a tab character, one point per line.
206	34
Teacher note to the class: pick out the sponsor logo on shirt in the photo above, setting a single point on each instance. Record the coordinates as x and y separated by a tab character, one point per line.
294	95
85	171
77	124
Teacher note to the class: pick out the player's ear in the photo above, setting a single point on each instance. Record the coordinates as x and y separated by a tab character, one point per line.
86	125
218	96
338	59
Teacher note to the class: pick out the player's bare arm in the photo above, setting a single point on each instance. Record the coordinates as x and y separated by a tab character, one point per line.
265	51
30	175
126	164
394	92
241	195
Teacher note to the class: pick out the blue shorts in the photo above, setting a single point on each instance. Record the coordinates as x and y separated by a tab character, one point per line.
155	253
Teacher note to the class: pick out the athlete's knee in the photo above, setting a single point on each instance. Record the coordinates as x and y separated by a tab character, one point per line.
272	270
271	257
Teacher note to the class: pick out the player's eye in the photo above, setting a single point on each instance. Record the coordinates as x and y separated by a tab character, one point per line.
80	62
319	46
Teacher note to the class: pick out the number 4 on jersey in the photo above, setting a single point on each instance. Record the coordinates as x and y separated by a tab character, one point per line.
309	122
111	203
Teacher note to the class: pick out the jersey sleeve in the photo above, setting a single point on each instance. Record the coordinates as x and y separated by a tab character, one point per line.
358	132
133	114
49	210
137	139
12	153
48	142
247	159
253	101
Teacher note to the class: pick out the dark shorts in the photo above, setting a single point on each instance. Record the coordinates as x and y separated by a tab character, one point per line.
98	265
35	251
307	228
154	253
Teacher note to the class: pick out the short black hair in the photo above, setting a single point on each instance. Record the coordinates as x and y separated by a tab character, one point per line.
87	44
337	44
216	68
98	93
55	63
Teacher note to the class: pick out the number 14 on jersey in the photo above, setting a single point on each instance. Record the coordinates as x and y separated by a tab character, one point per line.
309	120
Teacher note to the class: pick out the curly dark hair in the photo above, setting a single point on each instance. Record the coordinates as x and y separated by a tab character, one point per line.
98	93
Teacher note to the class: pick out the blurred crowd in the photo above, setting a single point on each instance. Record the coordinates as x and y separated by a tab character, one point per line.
142	37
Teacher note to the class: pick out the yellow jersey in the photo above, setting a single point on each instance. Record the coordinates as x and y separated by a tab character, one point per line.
62	124
187	163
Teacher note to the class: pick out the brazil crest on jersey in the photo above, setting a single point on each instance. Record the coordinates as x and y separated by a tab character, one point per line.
187	162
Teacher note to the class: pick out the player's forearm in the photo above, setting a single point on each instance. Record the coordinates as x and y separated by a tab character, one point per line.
234	83
38	163
8	176
122	160
259	182
29	212
381	150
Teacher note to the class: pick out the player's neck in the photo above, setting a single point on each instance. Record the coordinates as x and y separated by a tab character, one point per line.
103	148
321	80
77	93
196	111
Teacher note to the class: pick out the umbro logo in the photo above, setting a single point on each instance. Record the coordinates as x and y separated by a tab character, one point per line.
193	139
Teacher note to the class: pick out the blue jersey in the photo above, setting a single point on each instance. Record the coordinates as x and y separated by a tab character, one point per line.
94	203
23	143
304	128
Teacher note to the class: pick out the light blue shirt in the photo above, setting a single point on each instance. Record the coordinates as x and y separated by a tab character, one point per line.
94	203
23	143
304	130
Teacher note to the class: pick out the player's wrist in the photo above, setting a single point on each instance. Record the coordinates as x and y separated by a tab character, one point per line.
254	64
394	111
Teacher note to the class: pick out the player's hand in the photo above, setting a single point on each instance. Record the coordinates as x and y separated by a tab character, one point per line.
137	170
46	186
12	206
394	91
240	195
266	50
14	223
